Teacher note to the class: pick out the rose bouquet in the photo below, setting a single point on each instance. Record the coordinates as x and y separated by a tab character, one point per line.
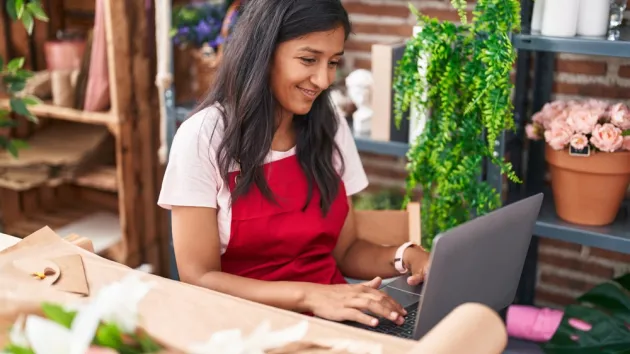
582	126
588	155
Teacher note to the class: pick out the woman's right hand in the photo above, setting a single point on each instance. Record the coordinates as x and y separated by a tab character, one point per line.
350	302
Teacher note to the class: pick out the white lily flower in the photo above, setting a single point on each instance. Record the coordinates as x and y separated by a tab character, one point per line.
260	340
116	303
48	337
17	335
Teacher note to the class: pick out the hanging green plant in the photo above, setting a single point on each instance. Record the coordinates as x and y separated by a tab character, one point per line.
13	75
466	90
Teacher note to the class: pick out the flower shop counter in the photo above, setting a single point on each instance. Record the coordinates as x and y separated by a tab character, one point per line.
184	318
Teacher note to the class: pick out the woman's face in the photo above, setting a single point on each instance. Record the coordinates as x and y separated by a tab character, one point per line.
303	67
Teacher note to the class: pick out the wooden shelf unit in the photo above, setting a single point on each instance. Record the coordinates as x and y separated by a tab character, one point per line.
129	188
103	178
47	110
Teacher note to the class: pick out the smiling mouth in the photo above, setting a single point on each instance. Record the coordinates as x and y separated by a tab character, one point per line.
308	93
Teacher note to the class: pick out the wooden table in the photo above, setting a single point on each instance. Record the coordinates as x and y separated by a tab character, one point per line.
180	313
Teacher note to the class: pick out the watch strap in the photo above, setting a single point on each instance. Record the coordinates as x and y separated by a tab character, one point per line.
398	258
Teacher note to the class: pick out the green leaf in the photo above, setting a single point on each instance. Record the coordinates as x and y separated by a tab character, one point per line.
36	10
57	313
11	10
607	335
147	344
29	23
31	100
15	349
7	123
16	87
19	144
607	296
108	335
15	64
626	133
19	8
23	74
18	106
1	64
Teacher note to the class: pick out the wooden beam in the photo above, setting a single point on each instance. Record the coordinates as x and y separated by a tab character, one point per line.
144	64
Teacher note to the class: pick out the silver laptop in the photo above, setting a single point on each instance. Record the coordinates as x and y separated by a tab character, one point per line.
479	261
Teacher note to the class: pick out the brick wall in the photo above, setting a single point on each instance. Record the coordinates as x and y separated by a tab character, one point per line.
565	270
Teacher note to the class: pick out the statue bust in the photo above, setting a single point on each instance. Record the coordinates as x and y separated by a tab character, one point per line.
359	84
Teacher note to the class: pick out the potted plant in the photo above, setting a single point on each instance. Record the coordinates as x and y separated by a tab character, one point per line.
466	88
197	29
13	76
588	152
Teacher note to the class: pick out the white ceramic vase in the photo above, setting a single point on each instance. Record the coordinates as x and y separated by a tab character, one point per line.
560	18
593	18
537	15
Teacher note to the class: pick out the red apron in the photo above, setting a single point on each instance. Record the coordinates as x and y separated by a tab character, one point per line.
281	242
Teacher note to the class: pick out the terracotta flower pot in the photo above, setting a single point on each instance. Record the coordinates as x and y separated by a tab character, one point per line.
588	190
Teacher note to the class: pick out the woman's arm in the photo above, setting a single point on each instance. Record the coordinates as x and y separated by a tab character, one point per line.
197	250
361	259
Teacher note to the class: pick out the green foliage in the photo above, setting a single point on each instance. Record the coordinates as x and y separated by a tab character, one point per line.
383	200
58	314
467	92
606	308
13	76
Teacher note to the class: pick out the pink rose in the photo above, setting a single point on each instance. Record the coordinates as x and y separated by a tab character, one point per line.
579	141
558	135
533	131
606	137
582	120
626	143
620	116
597	104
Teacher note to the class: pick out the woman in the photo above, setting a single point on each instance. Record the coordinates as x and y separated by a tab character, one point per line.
260	177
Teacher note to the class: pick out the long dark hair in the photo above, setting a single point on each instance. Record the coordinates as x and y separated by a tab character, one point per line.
242	88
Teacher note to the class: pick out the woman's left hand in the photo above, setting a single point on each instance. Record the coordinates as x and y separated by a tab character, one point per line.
416	260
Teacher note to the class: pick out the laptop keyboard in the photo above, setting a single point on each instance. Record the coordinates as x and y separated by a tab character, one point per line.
403	331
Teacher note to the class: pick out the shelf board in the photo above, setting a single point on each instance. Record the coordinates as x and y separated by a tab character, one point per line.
101	177
52	218
47	110
613	237
391	148
617	46
102	228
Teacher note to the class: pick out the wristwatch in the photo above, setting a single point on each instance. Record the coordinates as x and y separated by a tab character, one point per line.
398	258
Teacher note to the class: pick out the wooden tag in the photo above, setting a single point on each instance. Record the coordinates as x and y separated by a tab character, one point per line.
43	270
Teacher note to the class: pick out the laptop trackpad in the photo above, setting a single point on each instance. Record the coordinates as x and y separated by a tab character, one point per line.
402	297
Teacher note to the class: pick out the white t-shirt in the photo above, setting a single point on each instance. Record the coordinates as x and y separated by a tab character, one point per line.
192	176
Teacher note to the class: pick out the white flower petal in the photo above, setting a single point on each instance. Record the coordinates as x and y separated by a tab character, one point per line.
83	328
119	301
46	336
264	339
353	346
228	342
17	335
260	340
